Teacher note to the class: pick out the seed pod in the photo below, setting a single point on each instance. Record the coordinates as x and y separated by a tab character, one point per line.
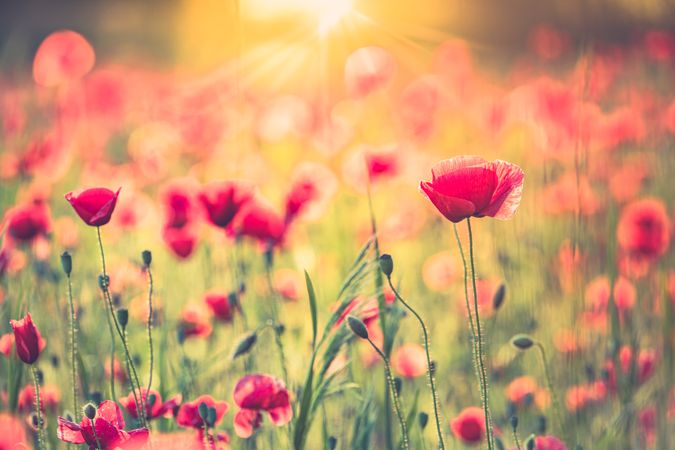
386	264
530	443
90	411
123	317
146	256
66	263
332	442
541	425
522	341
204	411
498	298
245	344
398	385
358	327
423	419
514	422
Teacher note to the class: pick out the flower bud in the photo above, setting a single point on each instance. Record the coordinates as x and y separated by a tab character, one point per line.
123	317
245	344
522	341
89	411
27	339
541	425
66	263
146	256
211	416
514	422
398	385
498	298
103	282
423	420
204	411
150	401
332	442
386	264
358	327
530	443
499	444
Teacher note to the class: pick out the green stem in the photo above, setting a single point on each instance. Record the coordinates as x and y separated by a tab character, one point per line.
112	358
38	409
516	440
150	347
96	438
434	395
549	384
479	341
394	394
275	317
73	345
139	412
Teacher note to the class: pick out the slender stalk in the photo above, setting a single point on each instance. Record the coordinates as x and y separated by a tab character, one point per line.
479	341
131	368
434	394
112	358
150	347
392	388
96	438
516	440
275	317
73	345
38	409
549	384
140	412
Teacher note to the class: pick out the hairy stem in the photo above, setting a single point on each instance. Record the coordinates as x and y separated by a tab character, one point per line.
38	408
73	345
150	347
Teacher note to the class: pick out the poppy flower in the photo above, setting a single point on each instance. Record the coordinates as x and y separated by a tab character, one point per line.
409	361
107	431
260	392
520	389
312	186
63	56
178	205
469	425
644	229
95	205
50	396
27	222
27	338
469	186
259	221
222	201
219	304
367	70
188	414
181	241
12	434
6	344
153	403
548	443
194	321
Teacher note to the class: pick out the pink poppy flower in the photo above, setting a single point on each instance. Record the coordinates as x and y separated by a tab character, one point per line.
256	393
188	414
95	205
63	56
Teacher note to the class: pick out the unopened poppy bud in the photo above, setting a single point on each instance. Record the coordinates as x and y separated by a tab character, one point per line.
103	282
541	425
180	336
522	341
498	298
96	397
386	264
423	420
211	416
123	317
514	422
39	376
358	327
398	385
152	398
280	328
203	411
146	256
432	367
89	411
332	442
245	344
66	263
499	444
530	443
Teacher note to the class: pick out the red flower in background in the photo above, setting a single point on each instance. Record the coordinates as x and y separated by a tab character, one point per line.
548	443
261	222
194	321
219	303
256	393
469	186
222	201
188	414
153	403
27	222
63	56
181	241
660	45
107	431
644	229
6	344
469	425
29	343
95	205
178	206
50	396
12	434
409	361
367	70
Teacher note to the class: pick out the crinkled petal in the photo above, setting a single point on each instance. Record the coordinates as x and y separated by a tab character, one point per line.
509	191
68	431
454	209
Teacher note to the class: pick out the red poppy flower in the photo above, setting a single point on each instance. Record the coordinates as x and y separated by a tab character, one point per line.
194	321
6	344
62	56
26	222
469	425
50	396
222	201
219	304
181	241
106	433
410	361
367	70
27	338
469	186
548	443
94	206
12	434
153	410
188	414
260	392
520	388
178	205
259	221
644	229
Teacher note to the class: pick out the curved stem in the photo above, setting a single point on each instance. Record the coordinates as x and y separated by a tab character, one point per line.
152	353
434	394
73	345
394	394
38	408
549	384
479	341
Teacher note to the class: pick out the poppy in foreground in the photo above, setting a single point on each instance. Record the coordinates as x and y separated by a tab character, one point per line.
94	206
469	186
104	431
260	392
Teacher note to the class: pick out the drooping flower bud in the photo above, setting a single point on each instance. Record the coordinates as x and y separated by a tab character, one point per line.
146	256
423	419
522	341
498	298
123	317
531	443
245	344
357	326
66	263
89	411
514	422
386	264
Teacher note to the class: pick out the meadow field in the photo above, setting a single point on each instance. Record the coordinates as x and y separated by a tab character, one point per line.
459	253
